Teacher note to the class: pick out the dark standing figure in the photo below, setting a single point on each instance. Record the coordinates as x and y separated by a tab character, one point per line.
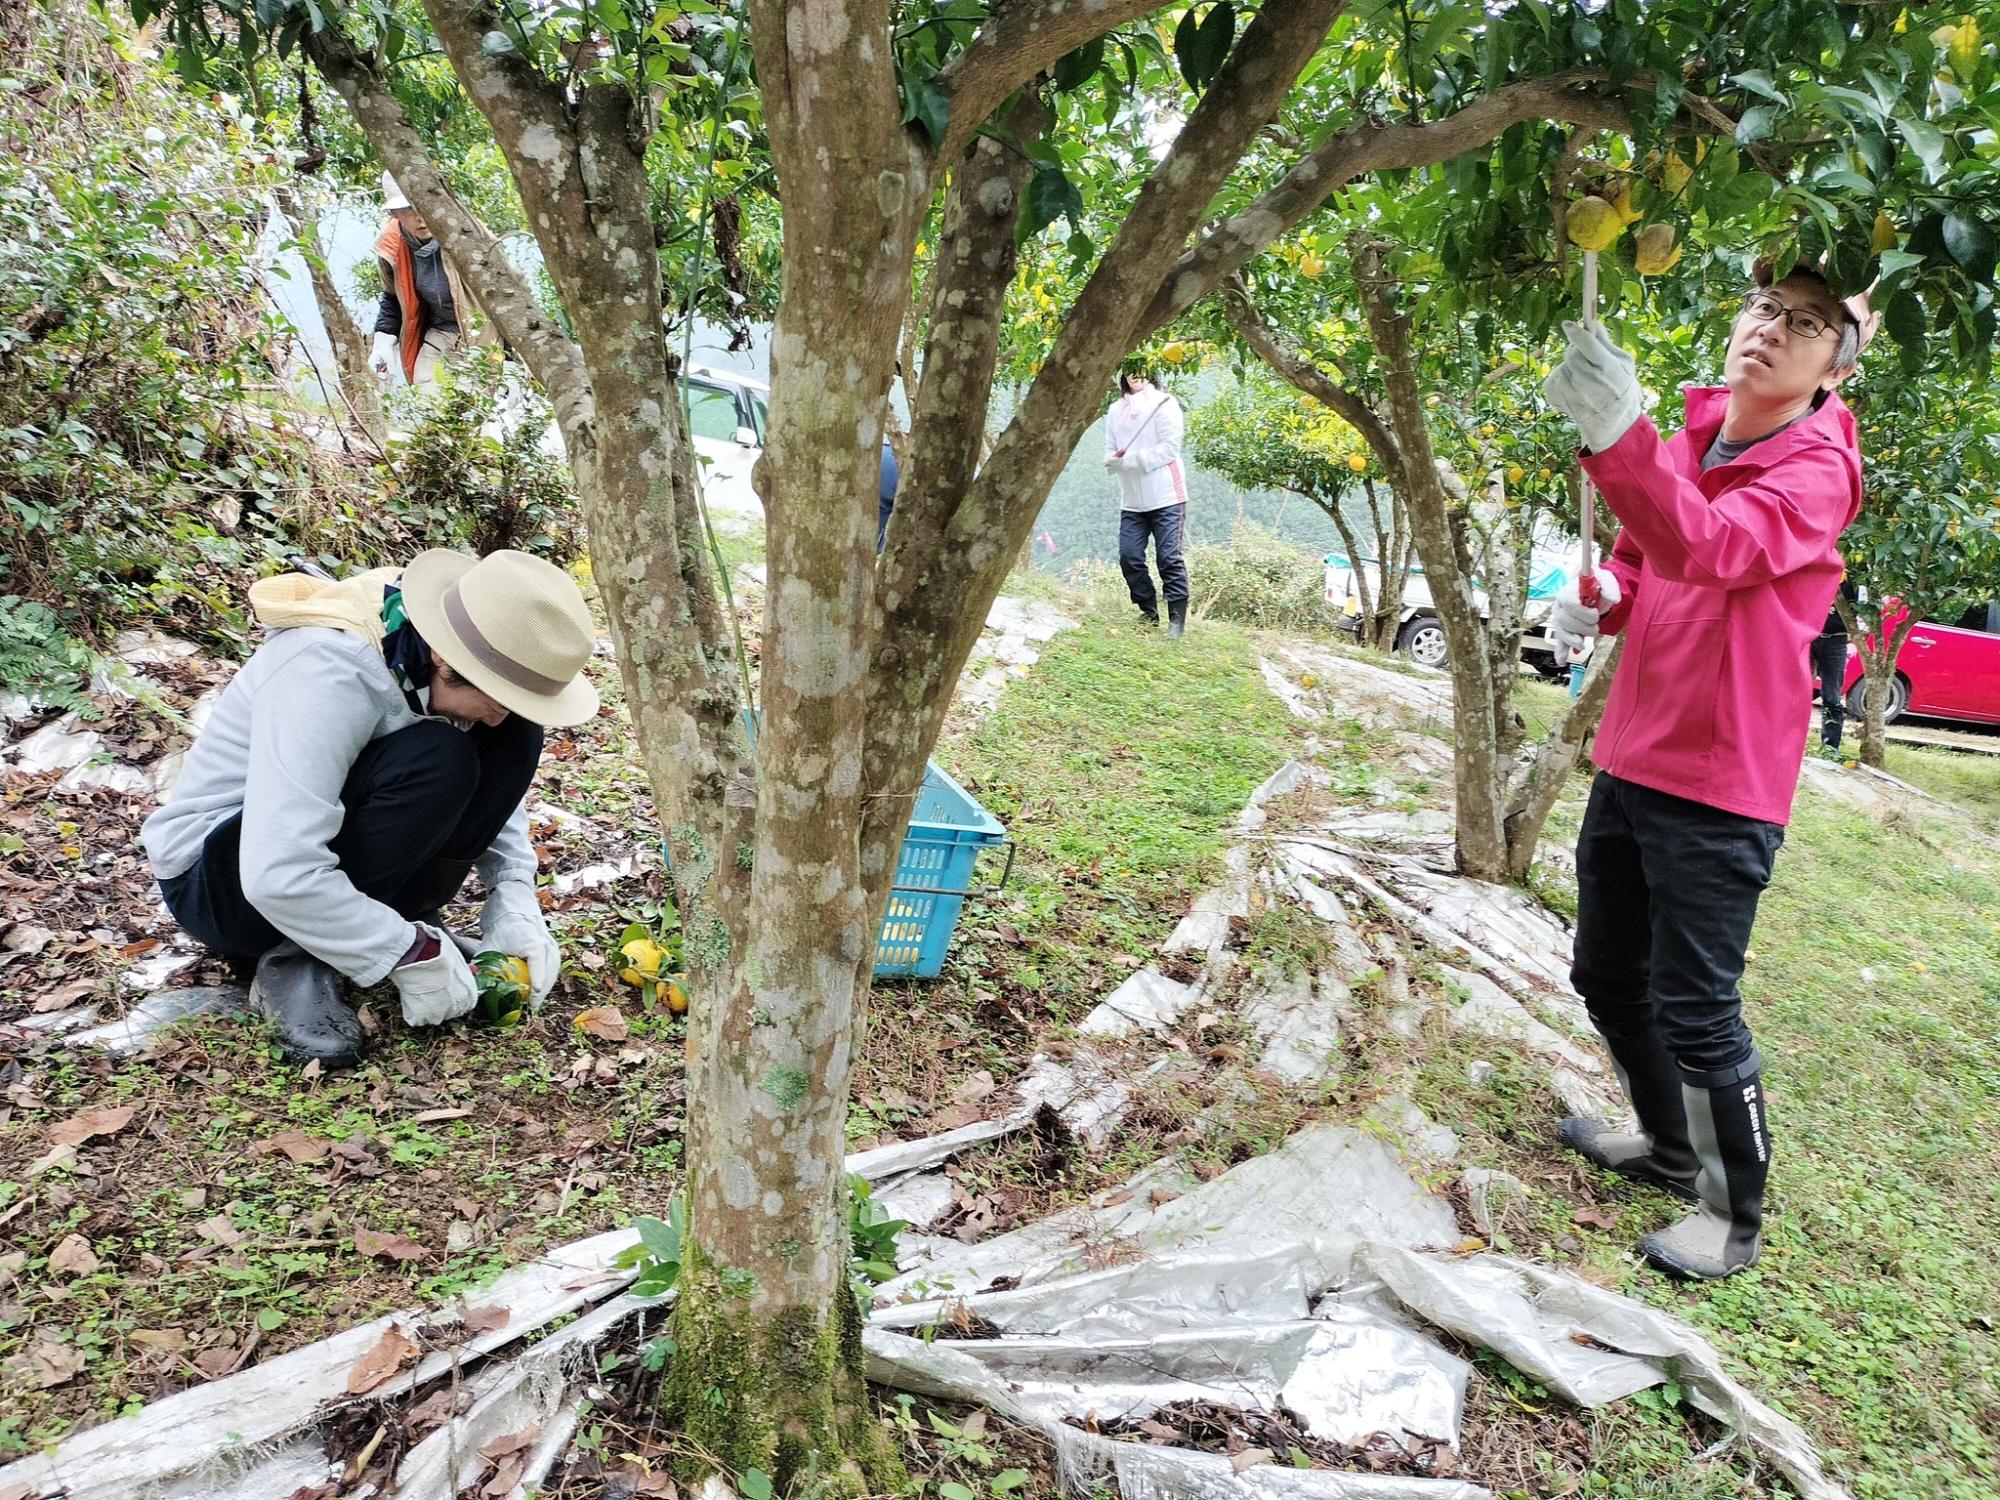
1829	659
1142	447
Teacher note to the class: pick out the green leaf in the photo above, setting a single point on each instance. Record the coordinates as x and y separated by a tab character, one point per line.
1756	124
1970	243
1009	1479
1759	82
926	105
1927	141
1076	69
1200	49
1894	262
271	12
754	1484
951	1489
1050	196
269	1318
1904	318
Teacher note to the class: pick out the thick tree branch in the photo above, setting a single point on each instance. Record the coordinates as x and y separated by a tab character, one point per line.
1021	39
1539	789
501	289
1375	146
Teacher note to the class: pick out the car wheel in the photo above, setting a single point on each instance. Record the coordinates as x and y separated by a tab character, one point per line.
1422	641
1899	699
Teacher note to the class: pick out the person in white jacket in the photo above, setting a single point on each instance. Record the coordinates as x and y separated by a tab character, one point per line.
375	751
1142	447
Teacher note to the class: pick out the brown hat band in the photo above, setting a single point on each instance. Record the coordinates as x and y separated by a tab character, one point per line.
488	655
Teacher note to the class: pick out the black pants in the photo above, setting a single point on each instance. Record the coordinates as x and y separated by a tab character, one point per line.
1829	660
1164	528
422	804
1667	891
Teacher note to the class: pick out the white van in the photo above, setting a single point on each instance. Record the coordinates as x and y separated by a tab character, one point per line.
728	416
1420	637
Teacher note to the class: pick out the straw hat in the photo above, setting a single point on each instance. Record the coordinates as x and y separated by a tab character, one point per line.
513	625
393	197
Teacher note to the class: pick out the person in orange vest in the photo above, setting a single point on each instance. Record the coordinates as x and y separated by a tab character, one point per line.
418	321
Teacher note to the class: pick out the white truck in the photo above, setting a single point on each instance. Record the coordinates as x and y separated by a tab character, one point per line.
1419	635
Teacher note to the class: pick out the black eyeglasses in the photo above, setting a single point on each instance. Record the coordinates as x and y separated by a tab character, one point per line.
1803	321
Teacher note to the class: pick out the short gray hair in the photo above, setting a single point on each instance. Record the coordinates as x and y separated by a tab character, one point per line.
1848	355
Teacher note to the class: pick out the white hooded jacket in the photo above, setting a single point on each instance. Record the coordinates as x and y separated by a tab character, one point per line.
1147	426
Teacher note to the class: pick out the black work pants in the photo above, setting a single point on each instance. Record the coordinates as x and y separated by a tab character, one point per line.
1829	660
1667	892
1164	528
421	805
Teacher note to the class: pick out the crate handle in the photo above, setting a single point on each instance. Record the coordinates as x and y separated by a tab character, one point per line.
970	890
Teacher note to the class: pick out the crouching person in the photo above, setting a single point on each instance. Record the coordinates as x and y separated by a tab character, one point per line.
374	751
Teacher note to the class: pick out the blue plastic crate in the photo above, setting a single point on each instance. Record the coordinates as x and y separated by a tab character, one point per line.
948	829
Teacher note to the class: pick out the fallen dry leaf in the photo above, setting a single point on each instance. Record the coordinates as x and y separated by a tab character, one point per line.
390	1353
311	1071
512	1442
388	1246
506	1478
59	1156
30	1491
51	1364
298	1146
166	1340
73	1257
12	1264
65	997
436	1409
218	1362
1249	1458
605	1021
431	1116
218	1230
26	937
92	1122
1595	1218
486	1319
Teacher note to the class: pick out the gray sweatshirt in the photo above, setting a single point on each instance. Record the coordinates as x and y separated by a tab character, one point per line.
278	747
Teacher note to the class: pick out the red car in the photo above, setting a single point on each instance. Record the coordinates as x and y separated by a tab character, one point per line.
1943	671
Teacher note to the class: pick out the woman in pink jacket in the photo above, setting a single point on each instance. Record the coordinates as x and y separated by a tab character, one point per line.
1721	576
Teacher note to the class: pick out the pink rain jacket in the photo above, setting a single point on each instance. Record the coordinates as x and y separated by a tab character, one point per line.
1725	577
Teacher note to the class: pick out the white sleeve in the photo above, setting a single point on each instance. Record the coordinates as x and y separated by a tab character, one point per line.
511	855
310	720
1166	429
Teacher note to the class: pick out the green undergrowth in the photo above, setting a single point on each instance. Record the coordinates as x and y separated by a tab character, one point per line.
1874	991
1119	769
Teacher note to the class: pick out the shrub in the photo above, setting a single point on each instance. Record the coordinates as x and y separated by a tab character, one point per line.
1260	579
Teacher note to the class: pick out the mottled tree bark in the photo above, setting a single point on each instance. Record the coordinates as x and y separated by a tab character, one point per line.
356	386
783	864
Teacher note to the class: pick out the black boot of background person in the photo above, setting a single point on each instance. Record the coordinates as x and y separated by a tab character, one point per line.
1149	614
1176	619
1726	1123
1659	1152
300	997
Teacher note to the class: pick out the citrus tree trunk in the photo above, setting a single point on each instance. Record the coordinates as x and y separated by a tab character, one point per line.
783	858
1879	651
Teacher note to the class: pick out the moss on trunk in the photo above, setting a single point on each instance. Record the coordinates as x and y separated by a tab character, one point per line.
783	1394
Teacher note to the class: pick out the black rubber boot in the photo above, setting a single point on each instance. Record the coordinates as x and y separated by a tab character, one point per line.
1659	1153
1176	619
1720	1238
300	997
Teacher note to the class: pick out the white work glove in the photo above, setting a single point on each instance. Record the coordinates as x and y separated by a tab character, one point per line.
1595	387
435	990
511	922
383	357
1572	623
